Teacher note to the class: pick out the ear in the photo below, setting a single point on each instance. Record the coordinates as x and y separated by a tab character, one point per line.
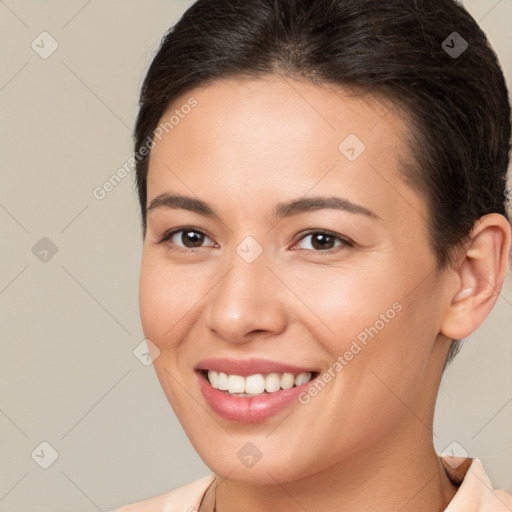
479	276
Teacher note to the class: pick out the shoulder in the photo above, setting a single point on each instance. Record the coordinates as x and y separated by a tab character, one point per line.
182	499
476	493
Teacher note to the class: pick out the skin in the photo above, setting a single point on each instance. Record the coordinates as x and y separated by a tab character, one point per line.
364	443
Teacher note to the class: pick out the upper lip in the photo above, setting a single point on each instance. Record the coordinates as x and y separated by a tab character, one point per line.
246	367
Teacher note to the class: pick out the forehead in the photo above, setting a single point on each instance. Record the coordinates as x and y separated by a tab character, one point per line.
282	137
257	111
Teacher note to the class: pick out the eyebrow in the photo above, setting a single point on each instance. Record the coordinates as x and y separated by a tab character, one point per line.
285	209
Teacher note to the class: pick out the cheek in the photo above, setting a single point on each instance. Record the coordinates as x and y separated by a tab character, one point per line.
347	303
385	355
371	318
167	295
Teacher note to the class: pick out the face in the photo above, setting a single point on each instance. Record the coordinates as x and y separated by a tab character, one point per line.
281	239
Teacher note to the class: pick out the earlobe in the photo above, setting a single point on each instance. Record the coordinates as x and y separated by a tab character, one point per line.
480	274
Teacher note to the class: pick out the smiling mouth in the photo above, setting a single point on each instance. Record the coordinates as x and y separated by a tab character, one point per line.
257	384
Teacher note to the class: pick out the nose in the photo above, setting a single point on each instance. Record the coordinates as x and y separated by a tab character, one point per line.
247	302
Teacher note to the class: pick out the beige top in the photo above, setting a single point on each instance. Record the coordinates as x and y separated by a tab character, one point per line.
475	493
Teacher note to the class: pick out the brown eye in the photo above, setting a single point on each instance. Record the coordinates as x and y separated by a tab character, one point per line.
321	241
186	238
191	238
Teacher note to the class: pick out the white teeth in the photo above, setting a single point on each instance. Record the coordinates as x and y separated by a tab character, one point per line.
272	382
213	377
236	384
302	378
287	380
222	381
256	384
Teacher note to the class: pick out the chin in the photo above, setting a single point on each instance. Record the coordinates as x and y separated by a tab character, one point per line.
229	463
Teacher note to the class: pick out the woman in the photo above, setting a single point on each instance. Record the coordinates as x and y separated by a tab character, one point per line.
322	195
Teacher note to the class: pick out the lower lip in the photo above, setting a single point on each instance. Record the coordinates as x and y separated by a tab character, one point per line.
249	409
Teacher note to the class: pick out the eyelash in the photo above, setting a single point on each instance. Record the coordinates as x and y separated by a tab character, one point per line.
345	242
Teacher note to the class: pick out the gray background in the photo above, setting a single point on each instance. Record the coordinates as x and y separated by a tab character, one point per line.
70	321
